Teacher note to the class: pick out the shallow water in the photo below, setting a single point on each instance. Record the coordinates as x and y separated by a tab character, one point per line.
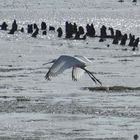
35	109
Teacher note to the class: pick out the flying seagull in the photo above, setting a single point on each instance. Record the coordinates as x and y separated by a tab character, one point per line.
78	64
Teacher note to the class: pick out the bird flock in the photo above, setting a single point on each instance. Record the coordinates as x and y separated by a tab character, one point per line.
74	32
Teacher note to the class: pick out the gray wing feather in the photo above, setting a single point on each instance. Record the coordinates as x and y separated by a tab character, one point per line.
60	65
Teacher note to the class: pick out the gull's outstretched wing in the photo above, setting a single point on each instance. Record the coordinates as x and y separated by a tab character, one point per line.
61	64
77	73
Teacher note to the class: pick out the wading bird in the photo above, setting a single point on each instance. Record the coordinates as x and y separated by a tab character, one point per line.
78	64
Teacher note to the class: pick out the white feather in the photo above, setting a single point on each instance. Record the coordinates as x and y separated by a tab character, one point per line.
77	73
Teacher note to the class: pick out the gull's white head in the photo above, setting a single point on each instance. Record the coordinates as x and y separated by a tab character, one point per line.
83	59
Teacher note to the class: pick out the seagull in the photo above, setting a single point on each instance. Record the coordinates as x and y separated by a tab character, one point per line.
77	63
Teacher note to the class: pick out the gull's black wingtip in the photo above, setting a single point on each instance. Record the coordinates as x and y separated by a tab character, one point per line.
100	83
47	77
93	77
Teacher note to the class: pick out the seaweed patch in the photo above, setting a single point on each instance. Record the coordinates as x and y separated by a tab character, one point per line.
112	88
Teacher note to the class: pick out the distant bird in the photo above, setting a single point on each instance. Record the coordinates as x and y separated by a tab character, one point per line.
134	1
136	137
78	64
51	28
4	26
